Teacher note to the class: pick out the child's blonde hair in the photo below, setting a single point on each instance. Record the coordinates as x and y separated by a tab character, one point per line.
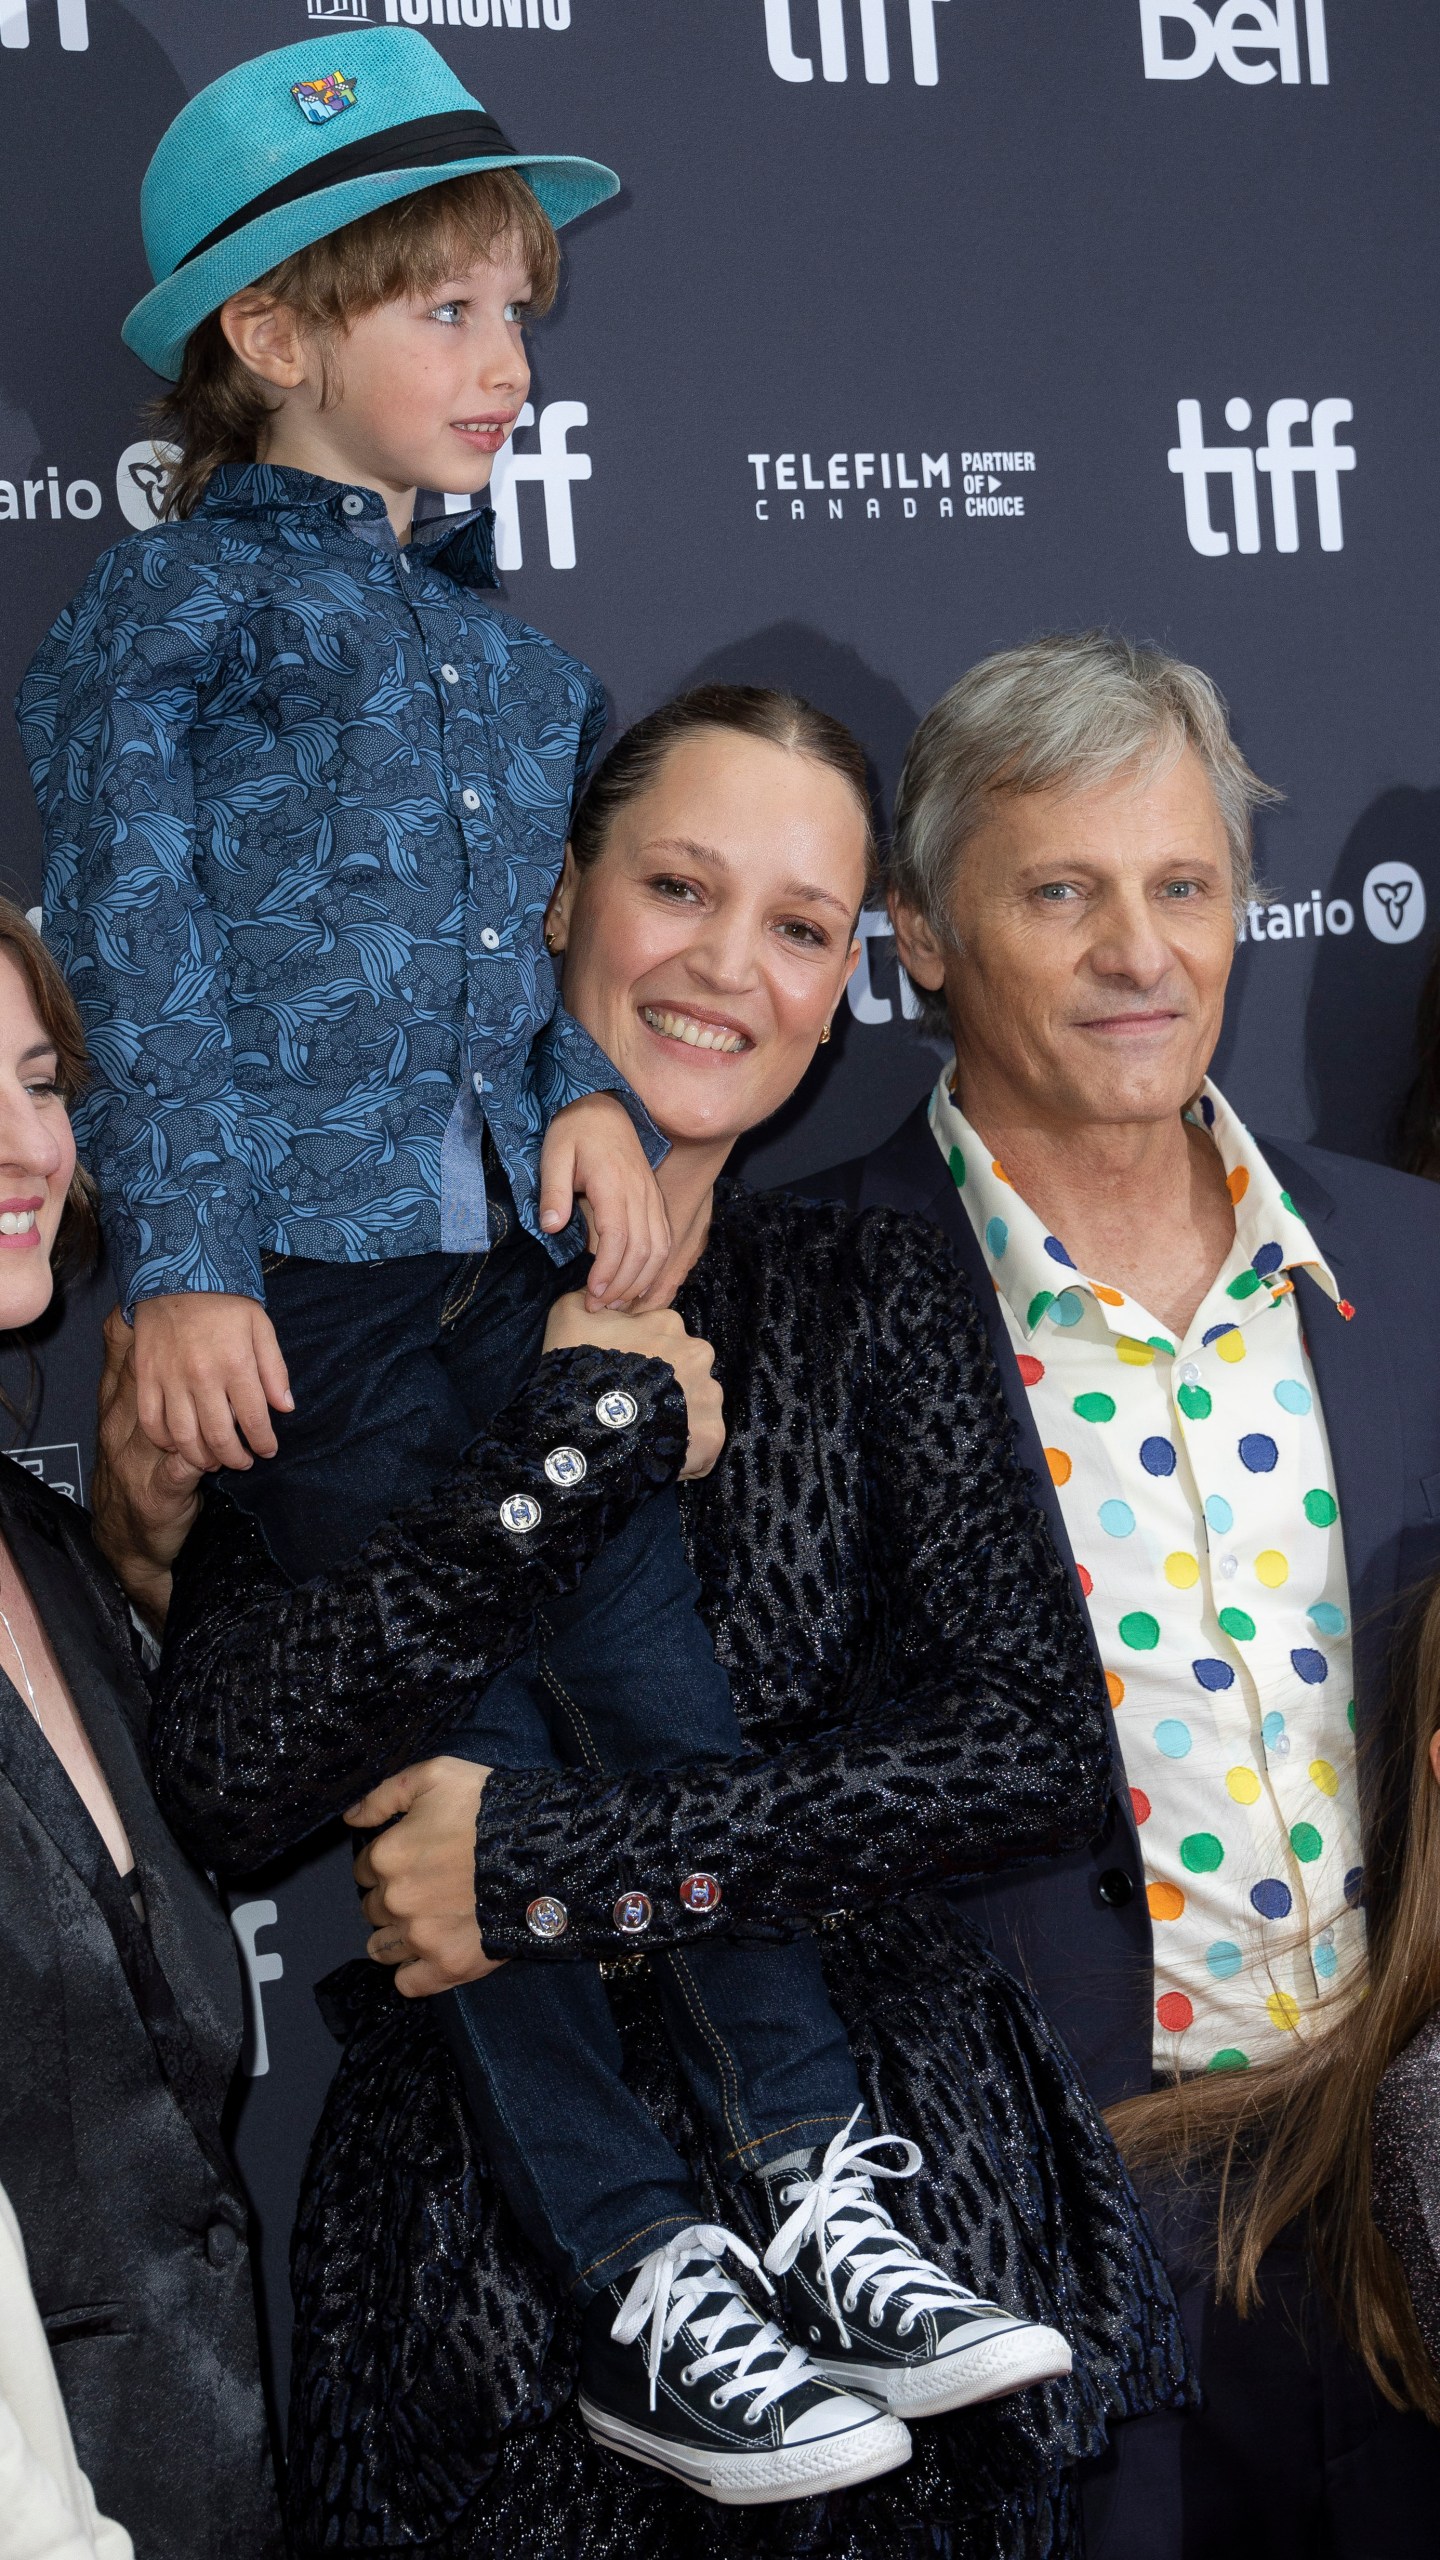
218	408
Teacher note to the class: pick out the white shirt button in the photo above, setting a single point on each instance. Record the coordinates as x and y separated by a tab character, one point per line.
1227	1566
404	563
616	1410
352	506
490	939
519	1512
566	1466
450	674
469	799
1188	1373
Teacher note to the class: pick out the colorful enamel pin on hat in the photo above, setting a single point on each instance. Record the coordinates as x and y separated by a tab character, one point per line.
284	150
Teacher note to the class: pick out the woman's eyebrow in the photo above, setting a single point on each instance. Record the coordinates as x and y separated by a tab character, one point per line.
41	1049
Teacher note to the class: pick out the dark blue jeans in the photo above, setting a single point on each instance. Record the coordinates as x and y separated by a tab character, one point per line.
394	1367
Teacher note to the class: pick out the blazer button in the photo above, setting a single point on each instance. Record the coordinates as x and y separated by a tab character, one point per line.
545	1917
1116	1888
566	1466
519	1513
700	1893
221	2243
632	1914
616	1410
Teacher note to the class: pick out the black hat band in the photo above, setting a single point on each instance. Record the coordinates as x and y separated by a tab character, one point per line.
426	142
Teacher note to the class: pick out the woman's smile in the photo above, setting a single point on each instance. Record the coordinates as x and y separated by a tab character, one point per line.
713	1032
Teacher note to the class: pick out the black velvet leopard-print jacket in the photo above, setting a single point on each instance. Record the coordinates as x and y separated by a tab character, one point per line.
921	1702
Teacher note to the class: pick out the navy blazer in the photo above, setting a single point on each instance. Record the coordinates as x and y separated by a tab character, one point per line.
1078	1929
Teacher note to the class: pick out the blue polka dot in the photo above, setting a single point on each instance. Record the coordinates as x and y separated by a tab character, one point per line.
1326	1619
1116	1519
1310	1666
1057	1252
1216	1330
1271	1898
997	1236
1157	1456
1172	1737
1292	1397
1272	1729
1068	1308
1326	1962
1218	1513
1207	1110
1258	1452
1212	1674
1354	1886
1223	1960
1268	1259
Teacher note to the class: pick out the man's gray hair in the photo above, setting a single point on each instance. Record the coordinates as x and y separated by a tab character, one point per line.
1066	711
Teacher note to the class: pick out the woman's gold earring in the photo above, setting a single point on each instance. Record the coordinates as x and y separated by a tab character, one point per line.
551	942
825	1034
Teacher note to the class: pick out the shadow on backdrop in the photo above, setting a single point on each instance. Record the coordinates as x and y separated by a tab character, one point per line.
1360	1018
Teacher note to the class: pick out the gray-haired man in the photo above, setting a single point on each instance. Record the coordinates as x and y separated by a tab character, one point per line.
1202	1338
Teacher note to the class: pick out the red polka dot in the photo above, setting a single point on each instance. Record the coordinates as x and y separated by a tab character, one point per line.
1174	2012
1346	1309
1141	1804
1031	1369
1087	1583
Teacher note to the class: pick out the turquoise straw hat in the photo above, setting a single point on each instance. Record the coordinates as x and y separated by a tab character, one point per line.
288	148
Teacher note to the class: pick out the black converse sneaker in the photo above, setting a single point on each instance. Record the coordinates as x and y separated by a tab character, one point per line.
713	2394
872	2311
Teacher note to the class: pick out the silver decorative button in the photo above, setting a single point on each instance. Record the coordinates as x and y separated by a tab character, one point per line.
700	1893
352	506
450	674
1188	1373
616	1410
469	799
1227	1566
565	1466
546	1918
632	1914
519	1512
489	938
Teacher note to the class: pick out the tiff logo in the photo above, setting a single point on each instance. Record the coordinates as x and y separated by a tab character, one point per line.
1283	462
74	25
247	1920
555	467
554	14
788	64
1234	37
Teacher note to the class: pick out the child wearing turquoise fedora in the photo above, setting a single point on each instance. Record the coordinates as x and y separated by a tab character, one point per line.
306	796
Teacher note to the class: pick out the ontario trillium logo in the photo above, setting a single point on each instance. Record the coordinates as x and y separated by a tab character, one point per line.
1393	899
142	475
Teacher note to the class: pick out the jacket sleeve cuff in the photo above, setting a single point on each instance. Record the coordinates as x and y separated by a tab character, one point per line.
584	1867
210	1245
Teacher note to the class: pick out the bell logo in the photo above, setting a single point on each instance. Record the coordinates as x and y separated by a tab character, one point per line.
1238	37
555	467
1279	457
74	25
828	20
1393	902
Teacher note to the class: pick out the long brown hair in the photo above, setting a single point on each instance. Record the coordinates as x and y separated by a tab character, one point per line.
77	1241
1292	2138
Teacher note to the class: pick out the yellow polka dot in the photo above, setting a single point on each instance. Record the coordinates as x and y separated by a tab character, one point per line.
1136	1355
1237	1184
1107	1297
1166	1901
1231	1346
1182	1570
1059	1465
1271	1568
1000	1173
1243	1785
1323	1776
1282	2010
1116	1687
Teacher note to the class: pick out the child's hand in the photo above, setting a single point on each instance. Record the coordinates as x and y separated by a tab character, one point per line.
207	1367
591	1149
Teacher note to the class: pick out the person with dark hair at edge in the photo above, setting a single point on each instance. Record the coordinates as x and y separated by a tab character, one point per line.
120	2015
305	801
1202	1337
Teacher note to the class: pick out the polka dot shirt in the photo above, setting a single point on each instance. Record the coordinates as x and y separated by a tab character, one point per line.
1195	1482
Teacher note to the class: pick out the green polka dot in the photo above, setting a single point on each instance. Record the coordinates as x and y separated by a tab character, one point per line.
1202	1853
1350	1715
1306	1842
1244	1286
1158	1342
1321	1510
1287	1203
1229	2058
1140	1631
1194	1403
1238	1624
957	1168
1042	1299
1095	1408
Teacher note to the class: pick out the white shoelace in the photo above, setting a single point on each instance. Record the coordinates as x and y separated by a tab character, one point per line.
837	2209
667	2297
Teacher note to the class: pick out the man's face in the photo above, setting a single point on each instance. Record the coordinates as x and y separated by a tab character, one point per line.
1095	934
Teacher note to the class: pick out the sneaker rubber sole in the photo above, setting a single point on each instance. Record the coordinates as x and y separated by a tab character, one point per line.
1009	2360
759	2479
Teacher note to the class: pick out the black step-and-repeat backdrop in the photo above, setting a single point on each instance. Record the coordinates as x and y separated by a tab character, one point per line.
920	326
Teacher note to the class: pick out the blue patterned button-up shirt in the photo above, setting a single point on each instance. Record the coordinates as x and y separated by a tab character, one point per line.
305	797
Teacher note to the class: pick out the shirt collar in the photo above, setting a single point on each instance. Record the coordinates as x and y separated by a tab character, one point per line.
463	545
1032	1268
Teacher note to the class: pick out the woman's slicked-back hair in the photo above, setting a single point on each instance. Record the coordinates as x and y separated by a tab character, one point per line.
1064	712
78	1239
749	711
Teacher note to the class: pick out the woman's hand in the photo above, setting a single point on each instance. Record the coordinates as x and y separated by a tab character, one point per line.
656	1334
420	1875
143	1499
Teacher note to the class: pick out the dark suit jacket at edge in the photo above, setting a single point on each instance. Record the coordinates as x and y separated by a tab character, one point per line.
118	2043
1078	1930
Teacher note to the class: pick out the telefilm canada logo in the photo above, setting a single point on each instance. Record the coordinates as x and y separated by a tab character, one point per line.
1251	41
899	30
69	15
554	14
841	488
1285	458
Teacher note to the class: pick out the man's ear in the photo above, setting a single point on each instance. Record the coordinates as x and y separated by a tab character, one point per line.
557	914
266	337
919	946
